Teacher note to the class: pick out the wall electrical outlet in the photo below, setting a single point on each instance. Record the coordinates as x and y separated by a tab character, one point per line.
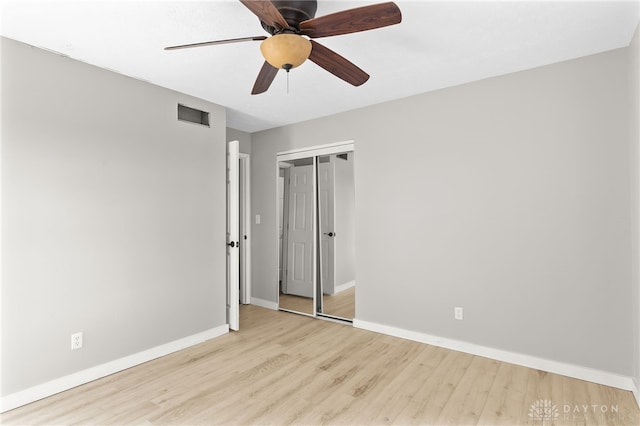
76	341
457	313
257	219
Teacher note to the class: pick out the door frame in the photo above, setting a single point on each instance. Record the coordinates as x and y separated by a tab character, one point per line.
296	154
283	249
313	151
245	227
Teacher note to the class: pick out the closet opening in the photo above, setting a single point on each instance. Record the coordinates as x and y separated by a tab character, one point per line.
316	232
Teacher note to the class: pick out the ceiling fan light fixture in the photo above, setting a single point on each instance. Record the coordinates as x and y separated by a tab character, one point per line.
285	51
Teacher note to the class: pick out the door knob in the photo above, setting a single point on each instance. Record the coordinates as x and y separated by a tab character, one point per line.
331	234
232	244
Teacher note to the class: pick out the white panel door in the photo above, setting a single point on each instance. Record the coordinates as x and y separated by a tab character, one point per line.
233	238
300	233
326	191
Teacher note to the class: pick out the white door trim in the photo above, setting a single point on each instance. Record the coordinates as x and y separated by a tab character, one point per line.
245	244
283	220
312	151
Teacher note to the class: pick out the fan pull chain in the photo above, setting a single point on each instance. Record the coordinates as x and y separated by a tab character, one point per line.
287	68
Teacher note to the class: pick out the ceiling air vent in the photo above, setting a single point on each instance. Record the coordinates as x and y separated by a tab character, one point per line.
193	115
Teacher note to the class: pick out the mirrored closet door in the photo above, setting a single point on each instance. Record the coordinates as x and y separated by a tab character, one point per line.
296	196
336	204
316	239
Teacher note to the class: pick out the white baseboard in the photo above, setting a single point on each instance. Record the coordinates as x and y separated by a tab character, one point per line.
345	286
636	390
44	390
264	303
551	366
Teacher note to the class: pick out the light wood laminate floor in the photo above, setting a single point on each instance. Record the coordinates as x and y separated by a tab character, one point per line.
282	368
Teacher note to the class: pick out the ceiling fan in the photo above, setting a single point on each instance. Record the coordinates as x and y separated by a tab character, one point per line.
291	25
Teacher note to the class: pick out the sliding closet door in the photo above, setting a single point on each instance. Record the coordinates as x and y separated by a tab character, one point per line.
336	211
316	244
297	241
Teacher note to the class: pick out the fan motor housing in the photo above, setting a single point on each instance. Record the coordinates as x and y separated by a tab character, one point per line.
293	12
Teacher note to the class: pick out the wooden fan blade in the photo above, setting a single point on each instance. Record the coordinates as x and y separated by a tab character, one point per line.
353	20
266	12
337	65
265	77
211	43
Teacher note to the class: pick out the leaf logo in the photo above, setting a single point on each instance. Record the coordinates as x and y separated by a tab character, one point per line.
543	409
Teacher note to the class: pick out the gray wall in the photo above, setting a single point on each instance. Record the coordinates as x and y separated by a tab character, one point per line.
243	137
345	220
634	113
509	197
113	216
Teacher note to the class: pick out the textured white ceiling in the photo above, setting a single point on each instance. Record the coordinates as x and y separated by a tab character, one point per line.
438	44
